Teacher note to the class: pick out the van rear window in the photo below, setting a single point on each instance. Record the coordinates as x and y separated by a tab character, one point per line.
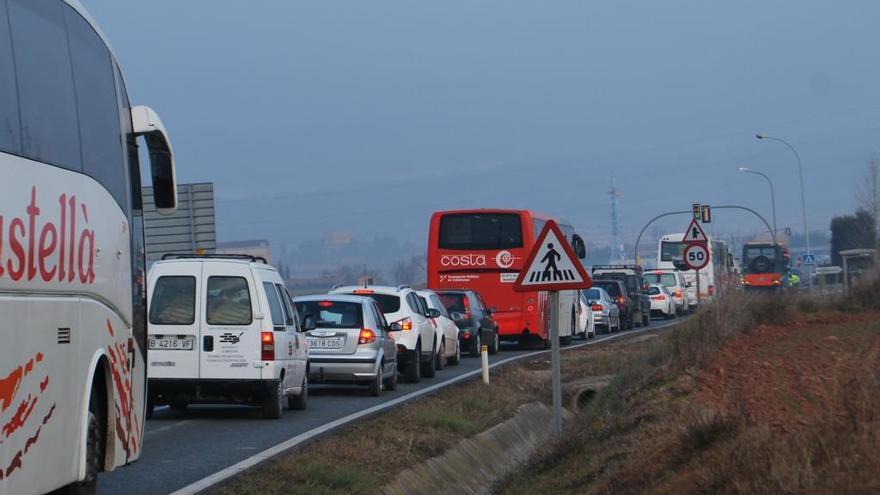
174	301
229	301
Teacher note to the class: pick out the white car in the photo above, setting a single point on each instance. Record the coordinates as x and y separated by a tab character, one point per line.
681	289
662	301
586	324
411	327
450	347
222	328
606	313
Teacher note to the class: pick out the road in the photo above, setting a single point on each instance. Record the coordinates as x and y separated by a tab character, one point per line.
184	448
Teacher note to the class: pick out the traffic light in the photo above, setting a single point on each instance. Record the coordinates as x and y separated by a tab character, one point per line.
698	211
706	214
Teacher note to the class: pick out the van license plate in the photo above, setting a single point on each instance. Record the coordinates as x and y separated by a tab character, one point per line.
328	343
171	344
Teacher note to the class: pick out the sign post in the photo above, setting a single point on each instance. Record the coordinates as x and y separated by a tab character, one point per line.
696	252
553	266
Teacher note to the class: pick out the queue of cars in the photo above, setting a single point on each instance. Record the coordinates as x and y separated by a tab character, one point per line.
225	329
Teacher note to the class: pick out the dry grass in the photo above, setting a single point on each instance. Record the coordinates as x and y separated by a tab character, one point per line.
365	456
650	431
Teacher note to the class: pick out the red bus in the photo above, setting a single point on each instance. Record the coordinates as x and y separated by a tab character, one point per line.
484	250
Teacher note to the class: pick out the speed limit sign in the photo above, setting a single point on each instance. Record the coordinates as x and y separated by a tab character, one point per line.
696	256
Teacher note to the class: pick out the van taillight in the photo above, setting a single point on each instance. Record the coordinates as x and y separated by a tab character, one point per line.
267	339
366	336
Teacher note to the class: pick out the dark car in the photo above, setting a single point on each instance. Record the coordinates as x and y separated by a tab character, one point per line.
473	318
636	289
628	308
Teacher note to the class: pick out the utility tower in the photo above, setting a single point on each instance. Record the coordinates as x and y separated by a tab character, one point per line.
617	255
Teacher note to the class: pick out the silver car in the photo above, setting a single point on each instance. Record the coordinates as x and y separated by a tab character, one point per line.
348	341
606	313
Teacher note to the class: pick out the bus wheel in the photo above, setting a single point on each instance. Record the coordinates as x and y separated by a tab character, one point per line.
95	445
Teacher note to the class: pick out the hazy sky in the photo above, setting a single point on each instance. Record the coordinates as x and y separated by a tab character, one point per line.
366	116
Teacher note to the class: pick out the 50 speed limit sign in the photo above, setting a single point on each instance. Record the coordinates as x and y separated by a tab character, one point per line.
696	256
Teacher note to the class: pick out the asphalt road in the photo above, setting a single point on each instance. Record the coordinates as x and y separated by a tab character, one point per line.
183	448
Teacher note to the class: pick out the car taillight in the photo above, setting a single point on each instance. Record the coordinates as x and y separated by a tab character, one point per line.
267	339
597	307
367	336
467	307
677	292
326	304
711	289
466	336
620	301
406	324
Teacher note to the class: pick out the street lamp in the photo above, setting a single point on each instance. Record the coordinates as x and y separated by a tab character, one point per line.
801	171
772	193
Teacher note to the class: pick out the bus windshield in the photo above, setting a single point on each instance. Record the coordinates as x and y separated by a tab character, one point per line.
480	231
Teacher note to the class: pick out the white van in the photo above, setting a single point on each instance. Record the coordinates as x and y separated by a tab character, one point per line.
222	328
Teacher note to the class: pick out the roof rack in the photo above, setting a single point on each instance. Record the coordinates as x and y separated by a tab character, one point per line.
183	256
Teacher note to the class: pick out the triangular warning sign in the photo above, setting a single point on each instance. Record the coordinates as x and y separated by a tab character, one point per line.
694	233
552	265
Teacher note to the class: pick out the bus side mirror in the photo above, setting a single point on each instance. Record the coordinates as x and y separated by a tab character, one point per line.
145	122
580	249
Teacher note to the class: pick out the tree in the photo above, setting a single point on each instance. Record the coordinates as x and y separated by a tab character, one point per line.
852	232
868	192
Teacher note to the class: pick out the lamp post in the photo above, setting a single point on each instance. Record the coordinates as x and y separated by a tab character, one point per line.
772	192
801	171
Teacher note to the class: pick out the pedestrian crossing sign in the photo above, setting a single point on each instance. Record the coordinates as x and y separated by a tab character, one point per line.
552	265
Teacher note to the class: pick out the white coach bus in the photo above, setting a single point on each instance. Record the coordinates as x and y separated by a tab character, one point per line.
72	295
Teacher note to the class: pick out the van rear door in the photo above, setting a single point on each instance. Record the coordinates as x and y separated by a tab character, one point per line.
173	335
230	337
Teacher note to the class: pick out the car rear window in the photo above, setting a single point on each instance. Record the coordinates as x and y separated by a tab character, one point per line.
332	314
228	301
593	294
453	302
611	287
477	231
174	301
389	303
667	279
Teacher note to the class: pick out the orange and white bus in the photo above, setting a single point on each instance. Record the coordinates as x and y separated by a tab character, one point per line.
484	250
72	295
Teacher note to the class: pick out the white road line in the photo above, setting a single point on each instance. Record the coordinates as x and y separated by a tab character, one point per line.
267	454
170	427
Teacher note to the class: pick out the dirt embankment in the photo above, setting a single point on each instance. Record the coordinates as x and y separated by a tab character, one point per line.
786	404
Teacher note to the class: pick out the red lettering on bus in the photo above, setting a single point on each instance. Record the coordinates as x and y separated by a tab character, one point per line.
55	248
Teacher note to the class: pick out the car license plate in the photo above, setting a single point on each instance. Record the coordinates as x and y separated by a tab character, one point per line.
171	343
325	343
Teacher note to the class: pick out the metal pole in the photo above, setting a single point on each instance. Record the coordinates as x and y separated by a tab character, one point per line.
772	192
555	358
803	199
698	287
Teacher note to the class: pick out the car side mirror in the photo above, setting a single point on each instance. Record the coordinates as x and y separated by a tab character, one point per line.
492	310
456	316
309	323
433	313
395	327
